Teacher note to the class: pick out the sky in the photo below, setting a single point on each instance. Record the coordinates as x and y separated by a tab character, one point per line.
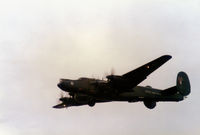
42	41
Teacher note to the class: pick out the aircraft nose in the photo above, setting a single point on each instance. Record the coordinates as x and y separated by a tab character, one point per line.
61	85
66	85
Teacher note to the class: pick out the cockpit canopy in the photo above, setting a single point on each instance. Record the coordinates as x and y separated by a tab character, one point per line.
84	78
91	80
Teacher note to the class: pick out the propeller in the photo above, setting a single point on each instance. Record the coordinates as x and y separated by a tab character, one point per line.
60	103
62	95
112	72
104	76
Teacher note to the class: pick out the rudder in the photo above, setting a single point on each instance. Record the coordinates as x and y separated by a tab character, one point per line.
183	84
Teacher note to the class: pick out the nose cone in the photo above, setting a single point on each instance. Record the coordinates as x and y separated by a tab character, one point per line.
65	85
61	85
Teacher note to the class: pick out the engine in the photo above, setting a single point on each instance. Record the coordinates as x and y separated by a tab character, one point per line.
81	98
115	78
150	104
117	81
84	99
148	86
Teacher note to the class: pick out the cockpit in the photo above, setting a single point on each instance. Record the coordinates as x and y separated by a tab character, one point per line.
83	78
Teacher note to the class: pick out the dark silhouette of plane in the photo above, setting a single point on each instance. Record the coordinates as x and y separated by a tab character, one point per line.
88	91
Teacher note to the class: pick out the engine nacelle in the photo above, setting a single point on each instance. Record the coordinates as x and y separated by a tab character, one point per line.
118	81
148	86
150	104
81	98
115	78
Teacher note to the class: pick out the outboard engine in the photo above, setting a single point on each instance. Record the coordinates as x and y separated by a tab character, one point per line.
81	98
150	104
84	99
118	82
114	78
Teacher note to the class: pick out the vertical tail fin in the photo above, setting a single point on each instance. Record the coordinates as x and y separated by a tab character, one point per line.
183	84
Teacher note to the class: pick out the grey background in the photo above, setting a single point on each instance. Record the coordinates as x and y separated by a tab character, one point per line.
42	41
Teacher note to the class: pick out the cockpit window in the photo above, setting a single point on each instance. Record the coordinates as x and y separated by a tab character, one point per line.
83	78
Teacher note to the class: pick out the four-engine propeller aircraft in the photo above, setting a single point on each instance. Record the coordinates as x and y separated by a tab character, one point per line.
88	91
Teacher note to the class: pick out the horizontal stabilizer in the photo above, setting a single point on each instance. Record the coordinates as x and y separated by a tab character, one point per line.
169	91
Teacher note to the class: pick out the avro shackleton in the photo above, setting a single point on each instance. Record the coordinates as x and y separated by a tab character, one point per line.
88	91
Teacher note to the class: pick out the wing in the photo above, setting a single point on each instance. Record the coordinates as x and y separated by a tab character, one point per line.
66	104
138	75
59	106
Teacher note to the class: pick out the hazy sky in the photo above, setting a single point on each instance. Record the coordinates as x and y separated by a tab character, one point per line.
42	41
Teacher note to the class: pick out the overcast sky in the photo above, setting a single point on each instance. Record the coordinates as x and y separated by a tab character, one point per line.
42	41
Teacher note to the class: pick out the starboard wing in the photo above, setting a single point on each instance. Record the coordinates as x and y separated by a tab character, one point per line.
138	75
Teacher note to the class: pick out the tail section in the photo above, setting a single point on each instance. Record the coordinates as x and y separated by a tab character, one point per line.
182	86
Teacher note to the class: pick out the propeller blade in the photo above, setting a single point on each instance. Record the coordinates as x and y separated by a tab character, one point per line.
112	71
60	96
